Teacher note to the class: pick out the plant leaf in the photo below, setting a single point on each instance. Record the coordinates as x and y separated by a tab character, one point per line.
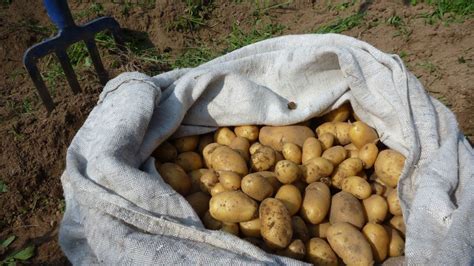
5	243
25	253
3	187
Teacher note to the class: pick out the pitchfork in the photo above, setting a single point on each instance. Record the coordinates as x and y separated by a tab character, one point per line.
69	33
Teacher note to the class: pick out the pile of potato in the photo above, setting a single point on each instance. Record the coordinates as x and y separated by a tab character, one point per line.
321	196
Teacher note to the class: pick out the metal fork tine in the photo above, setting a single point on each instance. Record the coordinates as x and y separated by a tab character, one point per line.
68	70
95	56
40	86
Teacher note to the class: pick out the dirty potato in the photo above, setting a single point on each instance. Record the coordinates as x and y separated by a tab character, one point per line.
176	177
226	159
346	208
248	132
263	159
287	171
311	149
388	166
376	208
256	186
349	244
357	186
189	161
349	167
275	137
318	252
251	228
224	136
291	197
186	143
335	155
378	239
326	140
316	202
275	221
315	169
360	134
232	207
292	152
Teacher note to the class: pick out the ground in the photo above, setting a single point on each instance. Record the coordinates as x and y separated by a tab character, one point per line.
434	38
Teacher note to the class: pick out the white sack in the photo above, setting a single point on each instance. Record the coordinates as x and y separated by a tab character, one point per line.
119	210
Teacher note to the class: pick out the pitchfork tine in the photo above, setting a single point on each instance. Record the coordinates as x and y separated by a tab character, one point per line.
40	86
95	56
68	71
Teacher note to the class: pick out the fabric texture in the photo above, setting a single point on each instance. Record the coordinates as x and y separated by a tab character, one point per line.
120	211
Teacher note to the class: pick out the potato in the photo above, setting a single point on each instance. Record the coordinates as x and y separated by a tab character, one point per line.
349	244
251	228
207	151
196	179
342	132
368	154
186	143
316	202
226	159
204	140
189	161
346	208
311	149
218	188
256	186
318	252
199	201
315	169
263	159
328	127
275	220
360	134
248	132
377	188
224	136
349	167
254	147
231	228
232	207
287	172
295	250
350	147
300	230
357	186
378	239
335	155
176	177
389	166
166	152
319	230
291	197
211	223
275	137
398	223
208	181
292	152
229	180
326	140
394	203
241	145
396	246
271	177
339	114
376	208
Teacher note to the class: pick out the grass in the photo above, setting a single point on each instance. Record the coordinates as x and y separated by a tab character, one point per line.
22	255
262	8
342	24
428	66
448	11
195	15
340	6
400	25
239	38
3	187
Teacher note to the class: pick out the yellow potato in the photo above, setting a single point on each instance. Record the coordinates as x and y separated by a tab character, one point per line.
263	159
196	179
315	169
224	136
241	145
166	152
360	134
232	207
368	154
275	137
271	177
339	114
275	220
292	152
211	223
377	188
388	167
231	228
357	186
291	197
394	203
316	202
378	239
350	244
204	140
226	159
254	147
398	223
218	188
326	140
229	180
199	201
311	149
207	151
346	208
318	252
251	228
376	208
189	161
287	171
397	244
176	177
295	250
248	132
300	230
350	147
208	181
256	186
328	127
335	155
186	143
349	167
342	132
319	230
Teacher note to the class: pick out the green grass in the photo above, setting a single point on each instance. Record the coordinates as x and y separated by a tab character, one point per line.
239	38
195	16
428	66
94	10
3	187
262	8
341	6
342	24
193	56
448	11
400	25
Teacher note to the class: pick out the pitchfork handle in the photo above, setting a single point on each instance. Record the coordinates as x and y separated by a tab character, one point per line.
59	13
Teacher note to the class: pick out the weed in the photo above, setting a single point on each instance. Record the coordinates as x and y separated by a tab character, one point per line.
62	206
262	8
395	21
3	187
95	10
341	6
193	56
403	54
195	15
238	38
400	25
19	256
17	136
5	243
430	67
448	11
342	24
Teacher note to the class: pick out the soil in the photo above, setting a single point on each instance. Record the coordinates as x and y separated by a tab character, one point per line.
34	143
